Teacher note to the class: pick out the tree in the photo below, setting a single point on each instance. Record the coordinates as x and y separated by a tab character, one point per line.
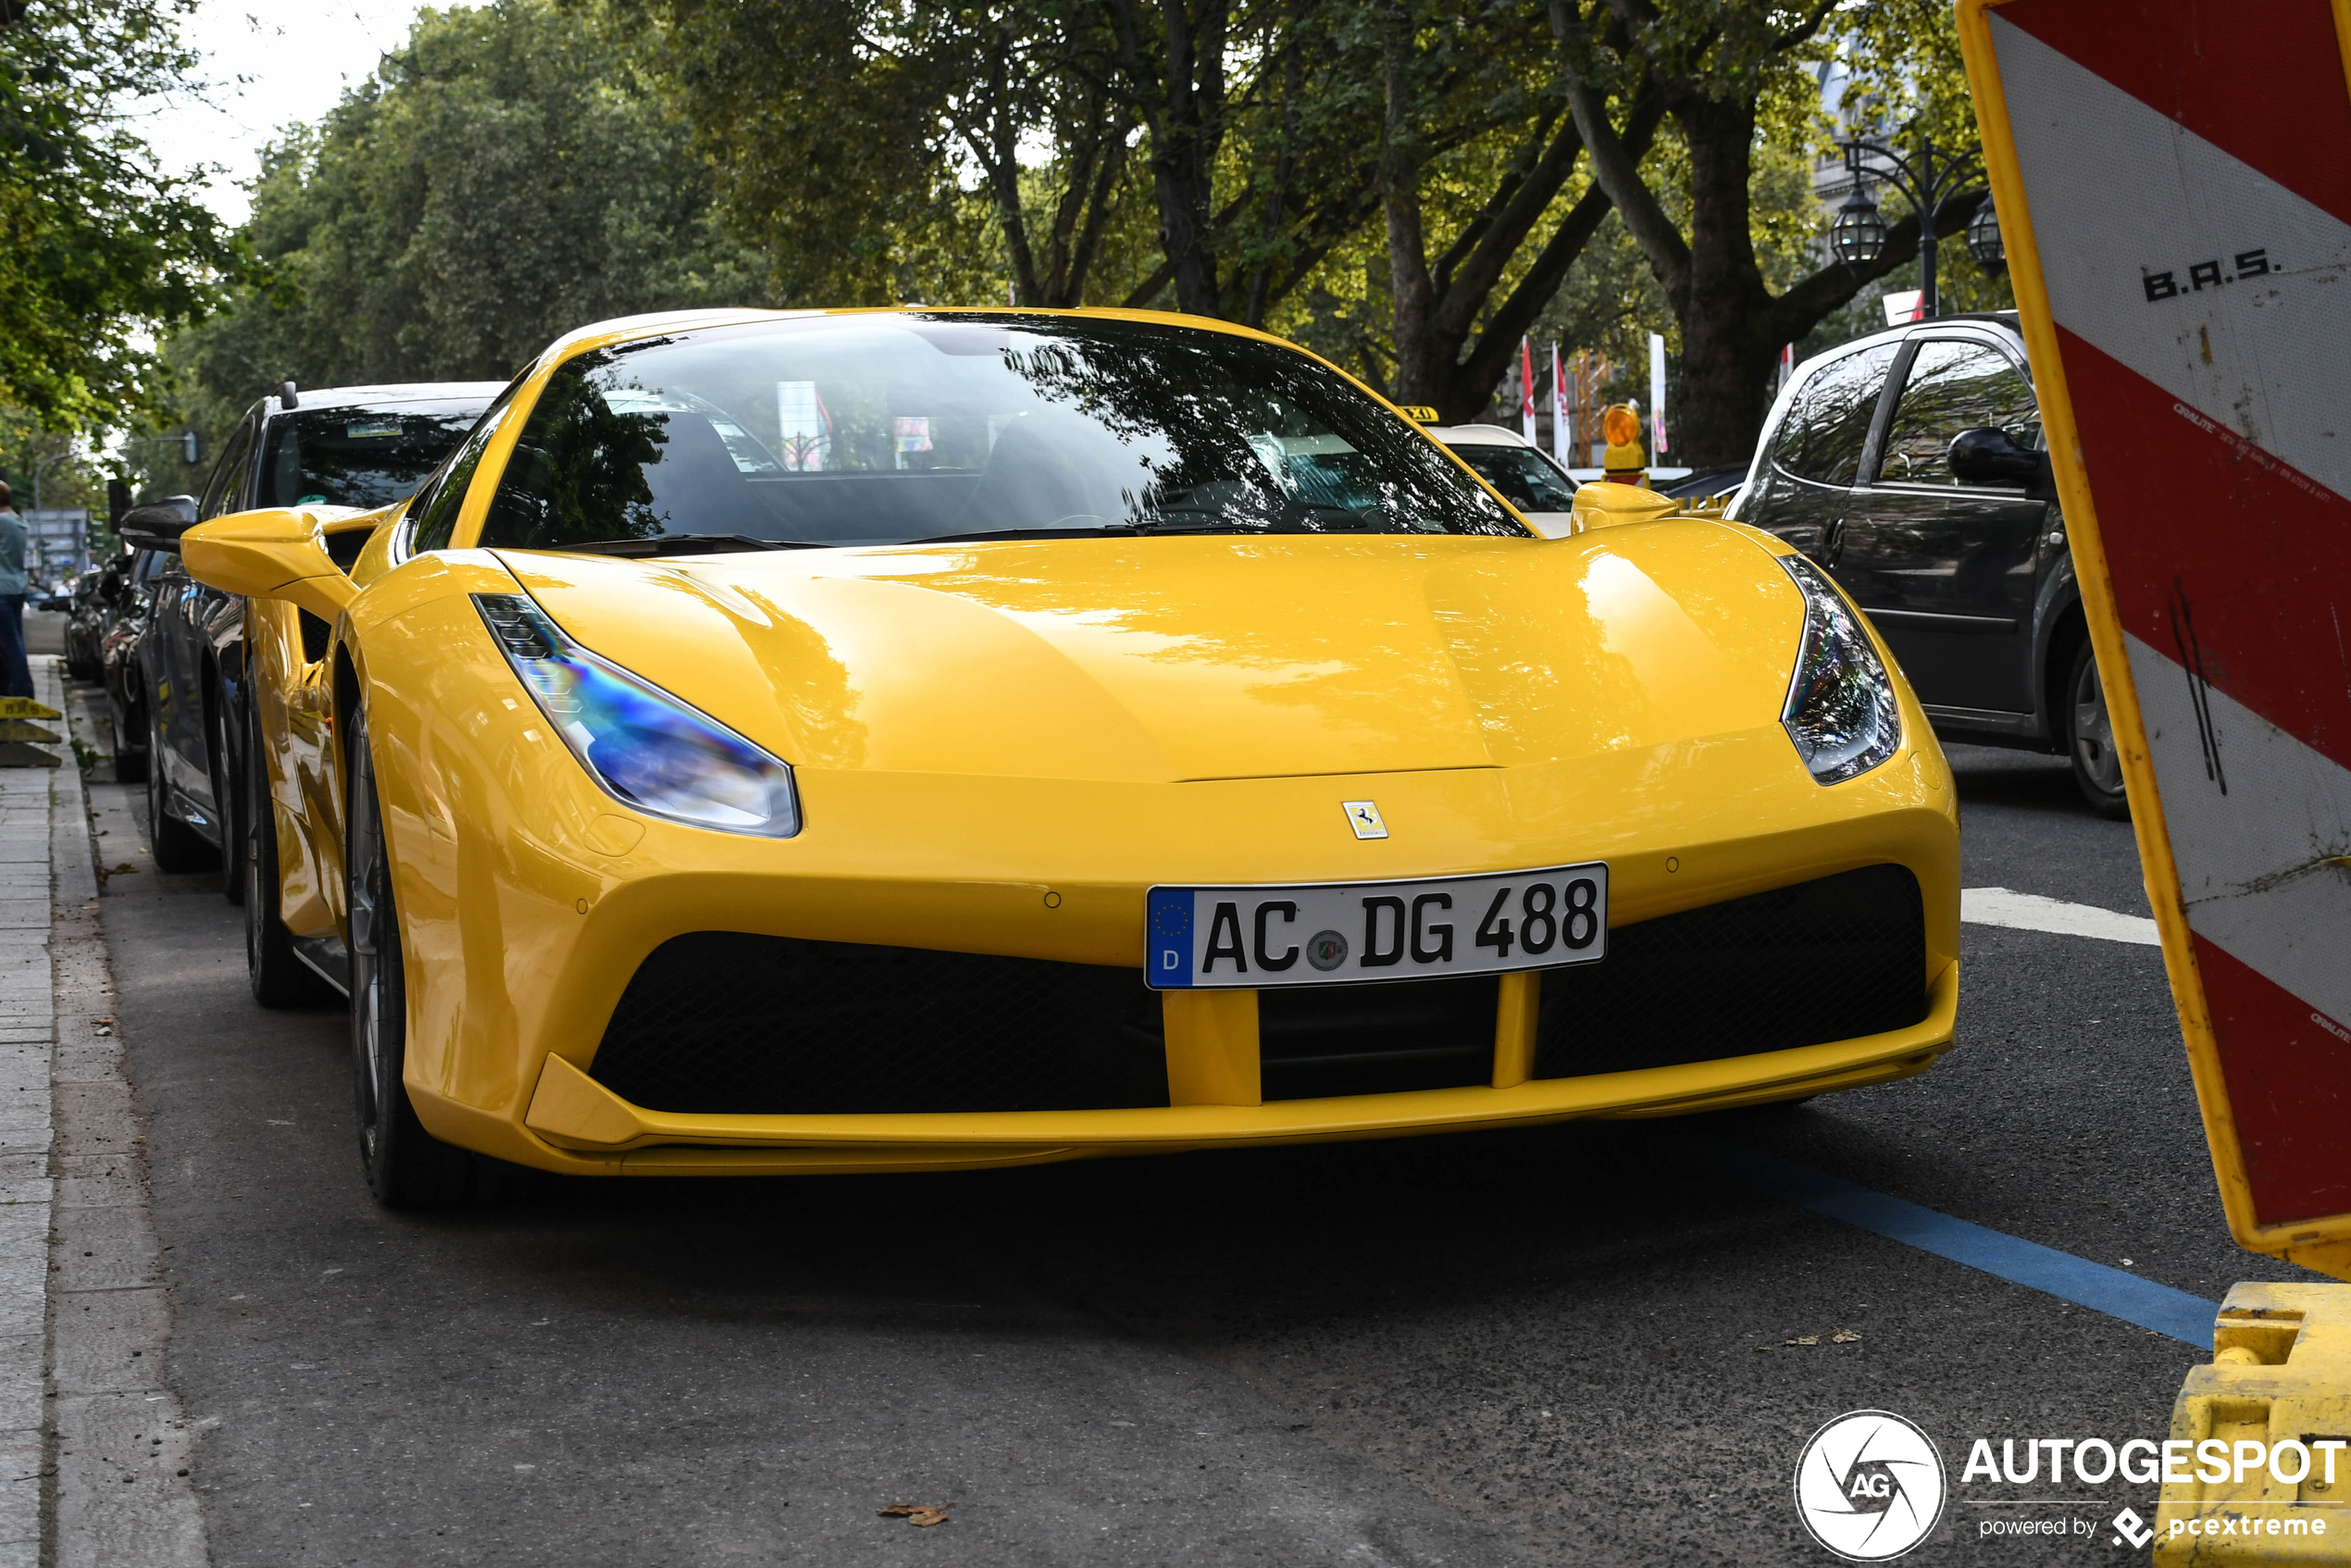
506	176
97	246
1457	88
1726	71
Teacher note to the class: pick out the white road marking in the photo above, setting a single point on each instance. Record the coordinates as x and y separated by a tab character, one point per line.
2031	912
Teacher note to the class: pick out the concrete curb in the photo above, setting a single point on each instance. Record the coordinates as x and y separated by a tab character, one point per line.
27	1188
120	1495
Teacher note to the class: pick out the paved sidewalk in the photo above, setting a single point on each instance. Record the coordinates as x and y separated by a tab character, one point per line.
93	1446
27	1033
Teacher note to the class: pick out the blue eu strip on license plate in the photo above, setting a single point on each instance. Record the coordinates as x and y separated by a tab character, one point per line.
1347	933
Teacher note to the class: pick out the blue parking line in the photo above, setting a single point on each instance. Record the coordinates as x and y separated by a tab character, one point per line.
2113	1291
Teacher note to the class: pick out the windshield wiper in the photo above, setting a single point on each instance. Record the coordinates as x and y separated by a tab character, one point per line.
1106	530
688	544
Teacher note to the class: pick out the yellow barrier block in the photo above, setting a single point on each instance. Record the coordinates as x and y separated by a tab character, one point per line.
2267	1435
25	707
25	729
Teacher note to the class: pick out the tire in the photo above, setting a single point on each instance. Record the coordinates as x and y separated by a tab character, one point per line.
176	846
277	978
407	1167
130	735
231	803
2097	767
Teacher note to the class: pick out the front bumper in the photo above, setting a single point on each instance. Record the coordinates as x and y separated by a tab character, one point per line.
529	903
573	1113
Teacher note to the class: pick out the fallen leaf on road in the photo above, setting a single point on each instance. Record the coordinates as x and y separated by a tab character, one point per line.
1803	1339
920	1514
1844	1336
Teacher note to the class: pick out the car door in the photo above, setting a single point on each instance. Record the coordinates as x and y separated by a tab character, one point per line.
182	641
1946	569
1806	480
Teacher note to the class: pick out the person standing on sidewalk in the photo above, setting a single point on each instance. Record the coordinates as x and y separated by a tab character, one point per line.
13	667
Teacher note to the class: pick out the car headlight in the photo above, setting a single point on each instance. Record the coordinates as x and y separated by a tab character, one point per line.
1841	710
643	745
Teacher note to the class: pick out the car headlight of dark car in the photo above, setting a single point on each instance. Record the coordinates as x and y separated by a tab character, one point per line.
1841	710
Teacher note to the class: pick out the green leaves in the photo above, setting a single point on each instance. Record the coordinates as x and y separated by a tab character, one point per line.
96	242
511	173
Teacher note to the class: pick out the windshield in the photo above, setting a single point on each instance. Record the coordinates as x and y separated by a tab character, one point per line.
894	430
1527	478
361	456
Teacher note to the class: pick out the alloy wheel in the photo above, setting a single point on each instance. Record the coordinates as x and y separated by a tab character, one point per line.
2094	731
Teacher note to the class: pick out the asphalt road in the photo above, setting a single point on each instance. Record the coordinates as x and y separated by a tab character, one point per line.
1560	1346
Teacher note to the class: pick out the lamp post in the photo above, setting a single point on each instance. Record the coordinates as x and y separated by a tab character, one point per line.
43	467
1858	232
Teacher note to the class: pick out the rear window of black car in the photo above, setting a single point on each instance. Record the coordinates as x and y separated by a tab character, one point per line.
898	429
361	456
1828	423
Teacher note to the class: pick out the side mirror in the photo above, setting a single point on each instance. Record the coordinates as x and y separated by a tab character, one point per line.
279	554
1992	457
158	524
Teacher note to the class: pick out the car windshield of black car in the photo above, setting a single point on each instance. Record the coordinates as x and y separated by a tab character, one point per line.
363	456
900	428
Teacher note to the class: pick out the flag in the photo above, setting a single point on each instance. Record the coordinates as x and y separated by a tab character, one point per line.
1527	385
1561	425
1656	395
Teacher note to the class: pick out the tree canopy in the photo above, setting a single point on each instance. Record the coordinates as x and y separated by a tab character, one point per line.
510	173
99	247
1407	186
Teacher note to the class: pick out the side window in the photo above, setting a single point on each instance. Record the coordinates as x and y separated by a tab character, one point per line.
315	635
1954	387
433	518
1828	423
224	490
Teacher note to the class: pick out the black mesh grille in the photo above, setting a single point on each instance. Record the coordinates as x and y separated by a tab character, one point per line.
723	1023
1825	960
1318	1041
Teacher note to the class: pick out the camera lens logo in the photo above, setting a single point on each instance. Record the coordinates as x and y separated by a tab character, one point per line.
1870	1486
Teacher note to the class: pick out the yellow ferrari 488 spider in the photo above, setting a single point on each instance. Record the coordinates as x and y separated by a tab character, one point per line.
925	738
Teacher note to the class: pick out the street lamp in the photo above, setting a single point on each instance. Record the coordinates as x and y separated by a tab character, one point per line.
1984	241
42	467
1858	232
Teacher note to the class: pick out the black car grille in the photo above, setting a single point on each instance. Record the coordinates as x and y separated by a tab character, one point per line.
1824	960
722	1023
1318	1041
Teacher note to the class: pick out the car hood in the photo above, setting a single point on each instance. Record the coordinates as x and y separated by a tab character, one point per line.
1204	657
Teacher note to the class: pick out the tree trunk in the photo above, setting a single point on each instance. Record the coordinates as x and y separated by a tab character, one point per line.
1723	307
1179	96
1413	292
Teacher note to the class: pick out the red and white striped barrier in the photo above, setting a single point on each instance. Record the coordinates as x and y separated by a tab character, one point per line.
2174	179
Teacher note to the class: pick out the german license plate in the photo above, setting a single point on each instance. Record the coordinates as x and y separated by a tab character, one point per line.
1347	933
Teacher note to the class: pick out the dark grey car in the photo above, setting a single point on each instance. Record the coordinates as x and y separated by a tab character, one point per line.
358	447
1910	466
